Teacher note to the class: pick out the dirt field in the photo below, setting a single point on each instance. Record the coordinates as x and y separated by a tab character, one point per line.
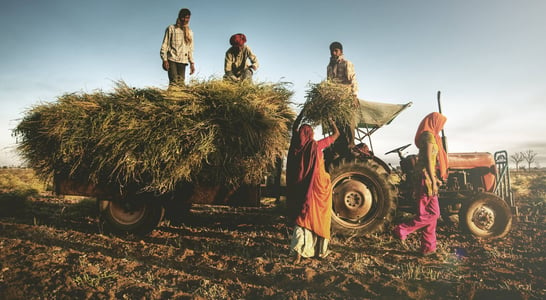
52	248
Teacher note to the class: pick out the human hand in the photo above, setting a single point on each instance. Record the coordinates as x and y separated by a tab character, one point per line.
166	65
436	183
333	125
192	68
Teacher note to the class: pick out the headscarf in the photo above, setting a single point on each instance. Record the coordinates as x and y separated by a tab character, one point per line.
300	168
237	40
434	123
185	27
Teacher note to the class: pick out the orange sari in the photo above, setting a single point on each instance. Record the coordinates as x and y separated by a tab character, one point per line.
309	189
317	210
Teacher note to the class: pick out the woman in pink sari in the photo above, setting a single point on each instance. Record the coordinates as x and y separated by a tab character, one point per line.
431	164
309	192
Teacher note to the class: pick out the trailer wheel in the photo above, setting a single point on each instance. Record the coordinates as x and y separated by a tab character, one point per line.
140	217
486	216
362	197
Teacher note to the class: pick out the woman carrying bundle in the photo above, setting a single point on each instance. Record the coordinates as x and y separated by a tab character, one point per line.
309	192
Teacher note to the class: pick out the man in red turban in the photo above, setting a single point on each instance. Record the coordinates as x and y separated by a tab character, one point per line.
240	62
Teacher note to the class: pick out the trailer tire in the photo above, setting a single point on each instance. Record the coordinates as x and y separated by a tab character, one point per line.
362	197
486	216
137	217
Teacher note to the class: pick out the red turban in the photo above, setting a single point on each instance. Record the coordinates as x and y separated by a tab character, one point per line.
237	40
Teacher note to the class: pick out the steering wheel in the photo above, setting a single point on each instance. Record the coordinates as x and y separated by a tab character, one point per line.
398	150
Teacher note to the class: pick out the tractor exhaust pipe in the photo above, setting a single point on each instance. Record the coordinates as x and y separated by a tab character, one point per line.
444	138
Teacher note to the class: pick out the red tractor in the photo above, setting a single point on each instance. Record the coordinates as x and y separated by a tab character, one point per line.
367	191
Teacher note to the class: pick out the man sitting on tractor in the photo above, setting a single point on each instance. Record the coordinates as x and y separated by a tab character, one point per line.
342	71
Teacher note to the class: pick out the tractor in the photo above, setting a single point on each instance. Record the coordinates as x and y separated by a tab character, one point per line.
368	192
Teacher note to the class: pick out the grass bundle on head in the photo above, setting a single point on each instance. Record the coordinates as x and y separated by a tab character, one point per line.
151	139
328	100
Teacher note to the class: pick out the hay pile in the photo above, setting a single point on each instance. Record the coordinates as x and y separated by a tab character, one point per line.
212	132
328	100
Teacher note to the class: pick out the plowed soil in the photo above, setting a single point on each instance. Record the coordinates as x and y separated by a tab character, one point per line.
52	248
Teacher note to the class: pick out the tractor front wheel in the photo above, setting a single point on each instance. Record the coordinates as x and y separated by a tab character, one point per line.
486	216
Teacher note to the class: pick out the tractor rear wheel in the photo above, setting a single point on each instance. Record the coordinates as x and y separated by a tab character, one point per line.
362	197
140	217
486	216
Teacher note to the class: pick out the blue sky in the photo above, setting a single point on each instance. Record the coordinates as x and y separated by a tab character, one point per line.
487	57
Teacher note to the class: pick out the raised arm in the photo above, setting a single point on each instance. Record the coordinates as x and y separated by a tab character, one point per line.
335	135
297	122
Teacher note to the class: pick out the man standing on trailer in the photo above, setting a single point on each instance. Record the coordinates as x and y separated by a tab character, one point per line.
177	49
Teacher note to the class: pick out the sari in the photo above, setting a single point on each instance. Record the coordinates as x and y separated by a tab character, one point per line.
309	193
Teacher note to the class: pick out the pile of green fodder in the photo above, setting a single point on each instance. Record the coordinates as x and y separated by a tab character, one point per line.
328	100
210	132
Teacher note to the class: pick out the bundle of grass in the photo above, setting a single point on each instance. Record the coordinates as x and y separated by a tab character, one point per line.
328	100
150	140
251	122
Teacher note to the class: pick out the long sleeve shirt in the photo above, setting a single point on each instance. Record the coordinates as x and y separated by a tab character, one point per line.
175	48
426	164
342	71
236	62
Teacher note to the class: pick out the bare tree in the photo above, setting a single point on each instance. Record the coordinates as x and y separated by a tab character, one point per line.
529	157
517	158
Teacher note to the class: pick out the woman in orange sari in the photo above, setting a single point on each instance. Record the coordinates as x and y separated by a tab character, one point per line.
309	192
431	164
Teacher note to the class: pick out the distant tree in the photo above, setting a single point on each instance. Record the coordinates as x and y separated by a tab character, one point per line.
529	157
517	158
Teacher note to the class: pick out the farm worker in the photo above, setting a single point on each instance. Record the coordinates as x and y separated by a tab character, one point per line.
240	62
342	71
177	49
431	166
309	192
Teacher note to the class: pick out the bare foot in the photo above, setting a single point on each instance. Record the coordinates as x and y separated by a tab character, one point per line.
323	255
297	260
